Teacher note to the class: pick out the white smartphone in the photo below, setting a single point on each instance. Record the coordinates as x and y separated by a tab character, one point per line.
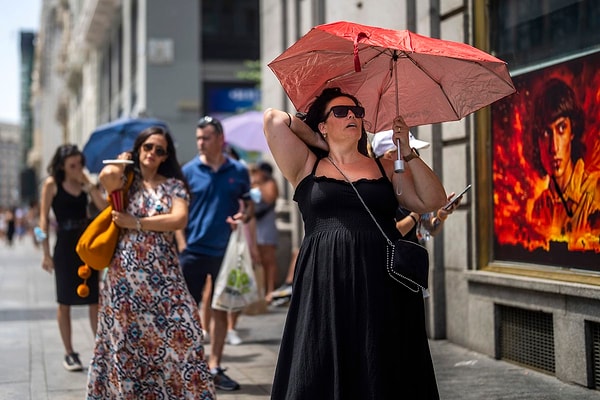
117	161
455	198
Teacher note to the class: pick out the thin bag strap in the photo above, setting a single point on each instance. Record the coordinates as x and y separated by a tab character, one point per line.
390	254
361	200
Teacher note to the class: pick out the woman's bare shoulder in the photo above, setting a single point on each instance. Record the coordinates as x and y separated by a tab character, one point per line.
49	182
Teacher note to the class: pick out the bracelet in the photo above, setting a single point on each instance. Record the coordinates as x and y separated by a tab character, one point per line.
138	224
413	218
290	120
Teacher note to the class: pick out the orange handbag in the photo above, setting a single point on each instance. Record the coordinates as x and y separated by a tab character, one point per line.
98	241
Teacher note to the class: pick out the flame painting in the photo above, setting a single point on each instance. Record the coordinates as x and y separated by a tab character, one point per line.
534	221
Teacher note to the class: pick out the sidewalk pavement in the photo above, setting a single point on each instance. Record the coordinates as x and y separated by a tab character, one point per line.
32	353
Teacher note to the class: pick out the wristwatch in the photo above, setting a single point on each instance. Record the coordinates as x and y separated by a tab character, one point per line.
413	154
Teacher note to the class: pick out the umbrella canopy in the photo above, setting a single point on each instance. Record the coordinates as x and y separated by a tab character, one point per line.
246	131
392	72
109	140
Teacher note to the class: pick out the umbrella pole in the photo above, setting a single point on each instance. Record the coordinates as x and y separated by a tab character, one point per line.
399	162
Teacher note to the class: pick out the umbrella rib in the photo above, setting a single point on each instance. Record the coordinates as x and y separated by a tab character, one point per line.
510	83
387	52
458	116
436	82
394	55
380	53
380	92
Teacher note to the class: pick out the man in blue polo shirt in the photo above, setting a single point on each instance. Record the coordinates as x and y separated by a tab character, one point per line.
217	184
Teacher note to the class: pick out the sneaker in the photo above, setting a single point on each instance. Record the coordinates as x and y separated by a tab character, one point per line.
206	336
284	290
281	302
222	381
72	363
233	338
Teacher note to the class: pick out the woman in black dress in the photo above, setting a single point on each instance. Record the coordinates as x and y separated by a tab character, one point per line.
352	332
66	191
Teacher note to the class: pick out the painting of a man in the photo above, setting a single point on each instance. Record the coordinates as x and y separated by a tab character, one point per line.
569	208
546	167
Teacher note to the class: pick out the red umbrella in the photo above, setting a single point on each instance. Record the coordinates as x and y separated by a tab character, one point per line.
392	73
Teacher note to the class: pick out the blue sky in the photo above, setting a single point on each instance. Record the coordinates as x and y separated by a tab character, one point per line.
15	16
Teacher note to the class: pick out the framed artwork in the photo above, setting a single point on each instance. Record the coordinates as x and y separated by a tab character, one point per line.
546	167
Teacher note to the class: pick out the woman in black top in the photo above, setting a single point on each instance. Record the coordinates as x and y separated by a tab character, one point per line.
66	191
351	332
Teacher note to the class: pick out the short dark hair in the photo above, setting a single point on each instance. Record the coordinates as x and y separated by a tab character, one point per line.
208	120
265	167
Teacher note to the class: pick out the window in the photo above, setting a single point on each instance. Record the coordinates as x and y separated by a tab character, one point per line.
230	30
545	208
526	32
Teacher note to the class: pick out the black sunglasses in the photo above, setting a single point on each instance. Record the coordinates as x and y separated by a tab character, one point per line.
159	151
342	111
208	120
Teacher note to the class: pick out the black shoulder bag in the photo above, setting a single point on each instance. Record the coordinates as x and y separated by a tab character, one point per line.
406	262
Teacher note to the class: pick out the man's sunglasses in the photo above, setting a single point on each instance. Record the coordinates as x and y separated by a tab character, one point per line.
159	151
208	120
342	111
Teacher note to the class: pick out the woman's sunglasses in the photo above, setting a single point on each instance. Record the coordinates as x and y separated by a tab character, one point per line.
159	151
342	111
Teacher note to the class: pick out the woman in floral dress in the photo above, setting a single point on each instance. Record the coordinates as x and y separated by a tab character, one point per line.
149	340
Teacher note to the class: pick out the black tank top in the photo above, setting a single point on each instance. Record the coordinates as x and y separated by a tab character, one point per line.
70	211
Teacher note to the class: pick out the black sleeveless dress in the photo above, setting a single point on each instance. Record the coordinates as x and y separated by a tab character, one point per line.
71	217
351	332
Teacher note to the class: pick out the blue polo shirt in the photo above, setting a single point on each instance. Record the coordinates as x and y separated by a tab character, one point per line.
214	197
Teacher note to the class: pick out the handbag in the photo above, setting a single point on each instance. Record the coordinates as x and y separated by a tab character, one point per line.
98	242
235	287
406	262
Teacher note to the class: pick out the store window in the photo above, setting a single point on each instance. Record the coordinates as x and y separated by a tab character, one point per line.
545	149
230	30
526	32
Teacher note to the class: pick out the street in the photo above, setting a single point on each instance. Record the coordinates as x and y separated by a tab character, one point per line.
32	353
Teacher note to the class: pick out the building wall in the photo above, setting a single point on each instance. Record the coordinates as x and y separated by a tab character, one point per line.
27	53
48	132
173	84
10	162
28	181
125	59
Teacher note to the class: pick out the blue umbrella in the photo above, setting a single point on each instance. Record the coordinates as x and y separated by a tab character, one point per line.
109	140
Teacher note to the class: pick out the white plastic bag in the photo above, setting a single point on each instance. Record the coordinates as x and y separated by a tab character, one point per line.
235	286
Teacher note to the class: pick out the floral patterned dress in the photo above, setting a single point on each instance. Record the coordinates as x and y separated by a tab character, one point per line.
149	339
